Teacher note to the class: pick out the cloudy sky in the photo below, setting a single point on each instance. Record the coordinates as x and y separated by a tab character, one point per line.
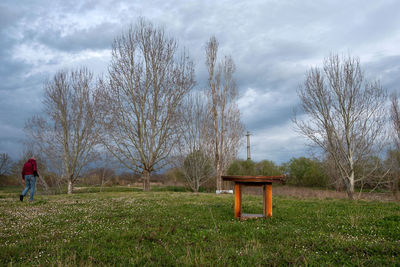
273	44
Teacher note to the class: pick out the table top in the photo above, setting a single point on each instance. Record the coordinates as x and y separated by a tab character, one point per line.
255	179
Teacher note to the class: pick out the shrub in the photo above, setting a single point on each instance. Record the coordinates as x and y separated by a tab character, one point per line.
306	172
249	167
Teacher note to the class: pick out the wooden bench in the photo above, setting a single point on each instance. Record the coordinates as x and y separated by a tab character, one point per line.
265	182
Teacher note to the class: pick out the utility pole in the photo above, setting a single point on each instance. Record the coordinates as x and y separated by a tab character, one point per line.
248	145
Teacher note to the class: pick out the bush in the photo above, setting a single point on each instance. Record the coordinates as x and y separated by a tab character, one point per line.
306	172
8	180
249	167
174	176
242	167
267	168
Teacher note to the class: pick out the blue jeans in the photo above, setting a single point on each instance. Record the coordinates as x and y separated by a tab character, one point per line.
30	183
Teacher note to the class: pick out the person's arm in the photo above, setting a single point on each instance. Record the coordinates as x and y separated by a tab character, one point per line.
35	173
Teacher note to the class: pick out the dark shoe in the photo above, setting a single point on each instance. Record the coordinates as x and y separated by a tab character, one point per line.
21	197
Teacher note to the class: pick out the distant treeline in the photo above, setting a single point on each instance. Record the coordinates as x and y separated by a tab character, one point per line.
301	171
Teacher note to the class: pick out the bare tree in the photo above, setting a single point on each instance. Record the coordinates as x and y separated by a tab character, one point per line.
69	132
5	164
395	155
344	115
395	118
147	82
227	129
194	153
107	171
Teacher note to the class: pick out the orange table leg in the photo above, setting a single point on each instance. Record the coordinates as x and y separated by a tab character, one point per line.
267	200
238	201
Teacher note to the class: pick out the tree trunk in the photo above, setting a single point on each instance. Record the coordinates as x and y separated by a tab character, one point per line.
350	186
395	189
146	180
218	176
196	186
70	186
45	185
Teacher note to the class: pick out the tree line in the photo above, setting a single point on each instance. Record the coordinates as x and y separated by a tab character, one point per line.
146	113
378	175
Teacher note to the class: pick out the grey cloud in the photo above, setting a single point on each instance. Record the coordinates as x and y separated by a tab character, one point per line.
387	70
371	24
265	116
8	16
98	37
265	109
12	146
11	73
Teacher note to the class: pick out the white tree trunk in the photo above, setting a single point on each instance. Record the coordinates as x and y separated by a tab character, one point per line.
350	187
218	176
70	186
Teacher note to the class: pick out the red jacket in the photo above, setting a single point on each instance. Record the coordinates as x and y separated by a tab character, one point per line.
29	168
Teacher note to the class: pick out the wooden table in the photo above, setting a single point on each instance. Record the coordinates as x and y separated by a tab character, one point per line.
265	182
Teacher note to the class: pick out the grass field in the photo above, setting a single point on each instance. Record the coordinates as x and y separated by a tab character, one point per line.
129	227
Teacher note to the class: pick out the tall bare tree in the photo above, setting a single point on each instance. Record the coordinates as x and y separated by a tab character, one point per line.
194	152
395	155
344	115
69	132
148	79
227	129
395	118
107	171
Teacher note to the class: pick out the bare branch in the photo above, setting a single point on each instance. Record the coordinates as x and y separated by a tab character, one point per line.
147	82
194	151
5	164
69	133
345	114
227	129
394	155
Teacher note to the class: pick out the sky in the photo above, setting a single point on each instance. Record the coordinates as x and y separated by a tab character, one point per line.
273	43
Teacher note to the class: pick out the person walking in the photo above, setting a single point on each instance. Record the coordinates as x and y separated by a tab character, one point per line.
29	174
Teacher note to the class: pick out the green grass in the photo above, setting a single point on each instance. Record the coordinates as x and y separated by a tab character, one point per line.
180	228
